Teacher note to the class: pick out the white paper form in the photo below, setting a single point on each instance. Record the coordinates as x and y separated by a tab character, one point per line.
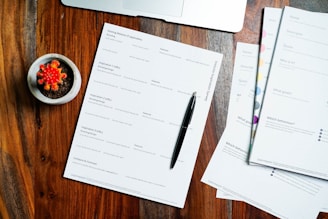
245	63
270	26
245	68
135	101
267	188
292	133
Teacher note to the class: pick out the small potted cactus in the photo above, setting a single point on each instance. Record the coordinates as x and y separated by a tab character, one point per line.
54	79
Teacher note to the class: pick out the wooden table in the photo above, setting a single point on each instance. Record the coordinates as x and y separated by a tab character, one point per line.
35	138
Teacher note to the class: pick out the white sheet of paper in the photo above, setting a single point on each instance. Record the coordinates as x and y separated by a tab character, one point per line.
244	72
245	69
270	26
136	98
266	188
292	133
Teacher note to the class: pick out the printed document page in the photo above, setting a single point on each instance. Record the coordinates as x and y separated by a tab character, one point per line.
243	73
269	189
292	133
132	111
270	26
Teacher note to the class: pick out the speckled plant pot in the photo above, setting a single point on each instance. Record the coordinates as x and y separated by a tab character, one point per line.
36	89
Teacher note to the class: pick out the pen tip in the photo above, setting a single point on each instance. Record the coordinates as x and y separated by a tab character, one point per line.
194	94
171	166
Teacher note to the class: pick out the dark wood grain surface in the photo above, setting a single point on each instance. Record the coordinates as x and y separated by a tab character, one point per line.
35	138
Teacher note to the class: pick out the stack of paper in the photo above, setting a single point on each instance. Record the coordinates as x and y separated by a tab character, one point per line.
291	109
292	133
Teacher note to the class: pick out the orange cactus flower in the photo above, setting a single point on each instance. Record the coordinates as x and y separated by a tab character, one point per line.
50	75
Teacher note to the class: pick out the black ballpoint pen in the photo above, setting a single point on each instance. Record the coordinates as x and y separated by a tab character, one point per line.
183	129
